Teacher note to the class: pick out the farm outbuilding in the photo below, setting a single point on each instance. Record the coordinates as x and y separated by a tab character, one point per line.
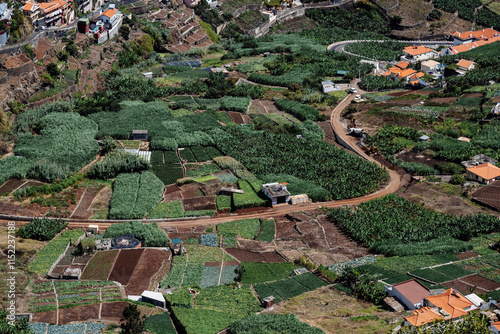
277	192
140	134
299	199
154	298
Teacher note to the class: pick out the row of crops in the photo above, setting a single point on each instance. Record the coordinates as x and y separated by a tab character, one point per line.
190	270
135	195
395	226
227	103
290	287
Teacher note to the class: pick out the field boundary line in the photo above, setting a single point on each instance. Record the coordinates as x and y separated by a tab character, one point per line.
57	302
18	187
324	233
79	202
220	272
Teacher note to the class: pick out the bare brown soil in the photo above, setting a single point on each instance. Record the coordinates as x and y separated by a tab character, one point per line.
83	211
419	157
263	107
213	264
479	283
445	101
200	203
401	93
11	185
113	311
239	118
411	11
148	265
15	209
436	197
467	255
473	95
82	313
191	190
48	317
125	264
248	256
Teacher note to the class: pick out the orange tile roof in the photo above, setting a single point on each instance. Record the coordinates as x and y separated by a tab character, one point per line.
416	50
465	63
49	5
110	12
405	73
28	6
403	64
496	324
423	316
451	301
487	171
479	34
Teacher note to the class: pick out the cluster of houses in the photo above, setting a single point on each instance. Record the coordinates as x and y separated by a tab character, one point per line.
428	306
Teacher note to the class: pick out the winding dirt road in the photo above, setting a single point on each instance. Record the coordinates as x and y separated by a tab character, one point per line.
339	129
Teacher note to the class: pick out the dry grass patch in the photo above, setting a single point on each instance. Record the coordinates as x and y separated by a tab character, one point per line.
334	312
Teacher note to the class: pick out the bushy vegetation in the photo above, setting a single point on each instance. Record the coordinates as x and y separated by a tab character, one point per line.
151	235
47	189
64	144
41	229
373	82
159	324
390	222
341	174
135	195
387	51
239	104
272	323
256	272
249	199
117	162
299	110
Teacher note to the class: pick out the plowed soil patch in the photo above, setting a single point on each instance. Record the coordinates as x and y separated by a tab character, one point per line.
83	210
10	185
482	282
200	203
148	265
467	255
444	100
125	265
81	313
213	264
113	311
48	317
247	256
463	287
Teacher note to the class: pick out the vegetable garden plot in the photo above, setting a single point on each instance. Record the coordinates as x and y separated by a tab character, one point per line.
160	324
210	276
421	111
200	170
125	264
99	266
248	228
267	231
229	274
187	155
287	288
51	252
257	272
168	173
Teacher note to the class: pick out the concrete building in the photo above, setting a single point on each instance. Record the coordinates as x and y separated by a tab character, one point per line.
277	192
154	298
465	66
429	65
416	53
328	86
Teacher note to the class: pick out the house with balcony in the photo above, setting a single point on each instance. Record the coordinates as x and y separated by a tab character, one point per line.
31	11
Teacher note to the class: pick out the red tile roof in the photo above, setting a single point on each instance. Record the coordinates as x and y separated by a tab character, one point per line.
487	171
478	34
423	316
412	290
416	50
451	301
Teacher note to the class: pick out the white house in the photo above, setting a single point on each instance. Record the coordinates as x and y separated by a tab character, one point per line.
416	53
429	65
465	66
410	293
110	17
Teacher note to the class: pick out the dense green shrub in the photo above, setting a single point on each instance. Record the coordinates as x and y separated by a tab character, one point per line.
41	229
117	162
247	200
46	189
272	323
151	235
239	104
299	110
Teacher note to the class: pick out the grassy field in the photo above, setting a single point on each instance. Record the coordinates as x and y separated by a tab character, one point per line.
336	313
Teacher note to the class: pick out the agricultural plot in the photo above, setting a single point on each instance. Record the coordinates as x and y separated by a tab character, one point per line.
51	252
192	269
299	110
168	173
175	209
248	229
420	111
65	143
200	170
259	272
81	328
267	231
160	324
290	287
279	119
71	294
135	195
214	308
99	266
